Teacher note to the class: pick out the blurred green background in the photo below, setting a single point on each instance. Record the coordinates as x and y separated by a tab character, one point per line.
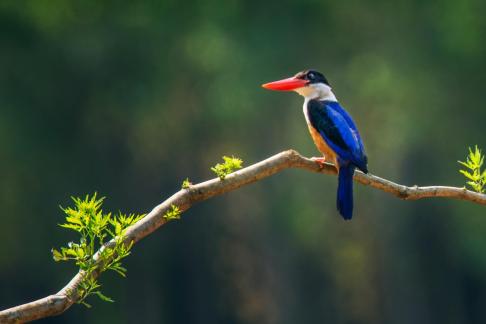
130	98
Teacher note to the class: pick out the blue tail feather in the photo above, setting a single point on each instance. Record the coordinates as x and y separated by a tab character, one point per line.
345	191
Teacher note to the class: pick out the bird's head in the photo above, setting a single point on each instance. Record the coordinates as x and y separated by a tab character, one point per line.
309	84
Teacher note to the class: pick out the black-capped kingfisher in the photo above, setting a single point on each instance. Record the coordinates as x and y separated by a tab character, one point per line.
332	129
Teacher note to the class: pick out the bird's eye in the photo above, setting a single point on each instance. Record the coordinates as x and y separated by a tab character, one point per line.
310	76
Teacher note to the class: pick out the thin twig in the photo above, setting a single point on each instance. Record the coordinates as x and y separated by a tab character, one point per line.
185	198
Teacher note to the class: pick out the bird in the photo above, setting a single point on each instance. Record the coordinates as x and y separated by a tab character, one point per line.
332	129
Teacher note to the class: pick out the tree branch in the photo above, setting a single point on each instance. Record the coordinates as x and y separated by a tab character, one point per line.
185	198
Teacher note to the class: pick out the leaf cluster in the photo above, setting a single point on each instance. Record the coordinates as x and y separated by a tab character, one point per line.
473	172
186	184
231	164
95	228
173	213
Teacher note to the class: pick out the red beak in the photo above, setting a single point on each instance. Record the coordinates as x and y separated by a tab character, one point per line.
288	84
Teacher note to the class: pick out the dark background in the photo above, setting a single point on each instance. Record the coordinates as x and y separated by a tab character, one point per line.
130	98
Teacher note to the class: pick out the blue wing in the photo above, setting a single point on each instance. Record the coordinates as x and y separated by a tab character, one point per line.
336	106
339	131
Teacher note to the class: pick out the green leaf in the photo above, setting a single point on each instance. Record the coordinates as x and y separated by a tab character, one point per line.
466	174
71	226
80	253
118	228
84	303
56	255
118	269
73	219
104	297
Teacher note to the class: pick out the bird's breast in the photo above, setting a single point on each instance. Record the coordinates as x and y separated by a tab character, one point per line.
322	146
320	143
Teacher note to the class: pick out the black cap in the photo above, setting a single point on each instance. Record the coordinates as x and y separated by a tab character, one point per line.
312	76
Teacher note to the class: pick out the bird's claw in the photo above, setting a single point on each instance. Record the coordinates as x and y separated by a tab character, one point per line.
320	161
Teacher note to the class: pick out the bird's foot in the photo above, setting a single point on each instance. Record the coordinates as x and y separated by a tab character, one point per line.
319	160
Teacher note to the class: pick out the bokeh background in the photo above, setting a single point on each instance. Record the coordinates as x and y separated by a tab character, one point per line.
130	98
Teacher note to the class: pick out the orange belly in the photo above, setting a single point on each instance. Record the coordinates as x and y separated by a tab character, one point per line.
322	146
